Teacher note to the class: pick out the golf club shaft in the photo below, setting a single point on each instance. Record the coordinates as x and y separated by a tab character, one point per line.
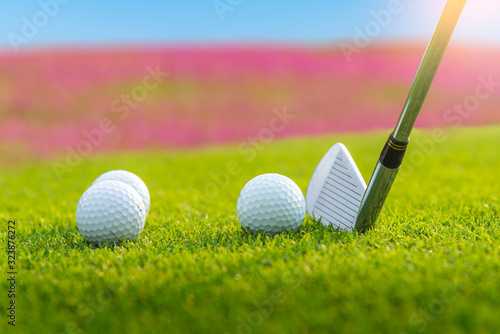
393	152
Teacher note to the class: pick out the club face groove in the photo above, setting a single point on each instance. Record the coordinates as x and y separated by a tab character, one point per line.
336	189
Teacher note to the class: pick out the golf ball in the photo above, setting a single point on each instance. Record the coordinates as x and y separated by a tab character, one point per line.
109	211
132	180
271	203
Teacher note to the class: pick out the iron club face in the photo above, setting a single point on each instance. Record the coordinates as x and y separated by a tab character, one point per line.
336	189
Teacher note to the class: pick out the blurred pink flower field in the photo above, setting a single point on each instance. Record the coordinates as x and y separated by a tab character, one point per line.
50	99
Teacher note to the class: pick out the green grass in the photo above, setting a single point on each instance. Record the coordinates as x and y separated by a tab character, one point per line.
430	265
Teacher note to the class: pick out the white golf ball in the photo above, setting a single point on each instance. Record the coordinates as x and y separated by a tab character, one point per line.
109	211
132	180
271	203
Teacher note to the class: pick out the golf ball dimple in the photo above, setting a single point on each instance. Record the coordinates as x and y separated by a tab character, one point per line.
109	211
271	203
132	180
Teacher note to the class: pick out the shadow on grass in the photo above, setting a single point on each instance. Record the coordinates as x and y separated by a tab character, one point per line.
310	228
227	236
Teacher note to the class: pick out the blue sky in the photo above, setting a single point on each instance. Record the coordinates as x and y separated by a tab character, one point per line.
105	23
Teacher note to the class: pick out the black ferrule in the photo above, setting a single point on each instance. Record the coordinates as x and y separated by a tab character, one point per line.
393	153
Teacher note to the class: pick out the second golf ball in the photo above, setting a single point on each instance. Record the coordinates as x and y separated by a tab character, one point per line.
271	203
132	180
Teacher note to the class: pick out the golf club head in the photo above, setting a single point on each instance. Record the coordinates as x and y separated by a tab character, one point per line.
336	189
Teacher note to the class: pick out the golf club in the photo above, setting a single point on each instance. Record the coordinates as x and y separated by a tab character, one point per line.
333	193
